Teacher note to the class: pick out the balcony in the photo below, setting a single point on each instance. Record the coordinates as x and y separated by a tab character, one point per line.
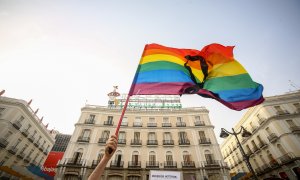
102	140
12	150
17	125
116	164
95	163
46	152
25	132
184	142
253	129
74	162
170	164
286	158
261	121
262	144
27	159
180	124
151	124
188	164
295	129
255	149
108	123
211	163
21	155
136	142
272	137
204	141
152	142
134	164
283	112
89	121
168	142
3	143
152	164
36	144
137	124
166	125
199	123
41	149
31	138
122	141
83	139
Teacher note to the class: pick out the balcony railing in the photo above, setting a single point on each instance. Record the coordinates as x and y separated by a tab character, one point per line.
168	142
152	142
199	123
137	124
255	149
188	164
25	132
31	138
151	124
170	164
204	141
121	141
272	137
184	142
89	121
166	125
262	144
74	161
27	159
286	158
136	142
12	150
116	164
3	143
102	140
95	163
181	124
152	164
253	129
295	129
108	123
261	121
211	163
17	125
21	155
134	164
83	139
36	144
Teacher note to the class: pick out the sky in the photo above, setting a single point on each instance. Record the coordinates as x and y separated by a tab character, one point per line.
65	54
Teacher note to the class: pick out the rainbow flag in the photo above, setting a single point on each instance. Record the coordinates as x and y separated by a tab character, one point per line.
212	72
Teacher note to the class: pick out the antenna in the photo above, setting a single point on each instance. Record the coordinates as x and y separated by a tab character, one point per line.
293	85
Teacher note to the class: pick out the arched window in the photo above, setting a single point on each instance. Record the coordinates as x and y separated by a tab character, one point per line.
118	159
77	157
135	158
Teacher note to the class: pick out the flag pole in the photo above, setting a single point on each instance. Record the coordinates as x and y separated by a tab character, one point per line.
122	115
126	102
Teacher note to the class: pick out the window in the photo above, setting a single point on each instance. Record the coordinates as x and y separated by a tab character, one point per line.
179	119
169	158
152	157
182	136
100	155
167	136
279	110
92	117
124	121
297	106
290	123
136	136
202	135
135	158
151	120
7	135
122	135
20	120
197	118
1	111
209	157
110	119
151	136
105	135
165	120
186	156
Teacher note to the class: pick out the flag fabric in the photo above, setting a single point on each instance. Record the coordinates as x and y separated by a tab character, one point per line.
212	72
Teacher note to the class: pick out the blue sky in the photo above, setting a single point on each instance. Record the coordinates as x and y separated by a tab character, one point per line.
64	53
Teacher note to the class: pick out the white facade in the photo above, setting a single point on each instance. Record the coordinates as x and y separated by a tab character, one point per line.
24	140
172	139
274	146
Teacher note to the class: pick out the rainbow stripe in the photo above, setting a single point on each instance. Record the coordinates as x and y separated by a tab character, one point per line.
161	71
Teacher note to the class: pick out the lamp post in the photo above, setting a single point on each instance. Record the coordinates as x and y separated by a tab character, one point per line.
224	133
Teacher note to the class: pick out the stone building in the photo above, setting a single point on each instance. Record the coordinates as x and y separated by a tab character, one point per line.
156	134
273	148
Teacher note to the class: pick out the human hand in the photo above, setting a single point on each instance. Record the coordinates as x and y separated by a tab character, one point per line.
111	146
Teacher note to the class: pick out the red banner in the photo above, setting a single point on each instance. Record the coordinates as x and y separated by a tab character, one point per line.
51	162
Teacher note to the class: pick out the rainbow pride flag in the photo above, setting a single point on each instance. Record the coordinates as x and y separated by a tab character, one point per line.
212	72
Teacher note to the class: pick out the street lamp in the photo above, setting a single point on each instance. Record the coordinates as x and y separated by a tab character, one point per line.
224	134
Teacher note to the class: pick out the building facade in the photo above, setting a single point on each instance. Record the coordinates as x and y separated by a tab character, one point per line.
156	134
274	146
24	140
